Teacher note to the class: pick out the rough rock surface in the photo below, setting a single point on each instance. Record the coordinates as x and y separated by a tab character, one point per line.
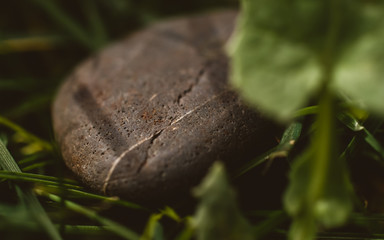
147	116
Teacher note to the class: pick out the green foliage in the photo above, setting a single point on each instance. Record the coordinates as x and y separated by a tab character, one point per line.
288	53
359	73
217	216
279	63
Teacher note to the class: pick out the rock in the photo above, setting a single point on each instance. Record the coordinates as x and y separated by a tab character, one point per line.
146	117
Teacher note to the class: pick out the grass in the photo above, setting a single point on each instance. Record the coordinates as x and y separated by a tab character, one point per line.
41	42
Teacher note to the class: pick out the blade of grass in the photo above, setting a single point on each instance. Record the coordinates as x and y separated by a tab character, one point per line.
75	193
66	23
27	135
36	165
171	213
306	111
16	84
289	138
28	225
371	140
188	231
31	159
267	226
29	43
27	196
153	230
372	217
30	105
36	178
255	162
112	226
95	23
364	134
350	236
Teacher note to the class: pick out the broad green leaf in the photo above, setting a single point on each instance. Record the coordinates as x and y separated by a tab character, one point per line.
217	215
359	75
278	50
275	75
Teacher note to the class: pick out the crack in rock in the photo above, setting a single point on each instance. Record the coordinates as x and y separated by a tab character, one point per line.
154	137
190	89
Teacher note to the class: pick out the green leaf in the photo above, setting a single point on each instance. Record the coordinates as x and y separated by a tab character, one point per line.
284	51
217	215
276	75
359	75
274	62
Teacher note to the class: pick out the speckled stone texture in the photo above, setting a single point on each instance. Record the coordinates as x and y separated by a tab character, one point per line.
146	117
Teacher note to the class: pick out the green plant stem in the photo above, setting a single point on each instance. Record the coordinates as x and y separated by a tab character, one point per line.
324	138
329	53
324	142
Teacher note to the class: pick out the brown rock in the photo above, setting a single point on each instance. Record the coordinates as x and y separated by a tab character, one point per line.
147	116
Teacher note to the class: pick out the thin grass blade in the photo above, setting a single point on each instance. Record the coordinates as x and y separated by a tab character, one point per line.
66	22
112	226
289	138
27	135
76	193
27	196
